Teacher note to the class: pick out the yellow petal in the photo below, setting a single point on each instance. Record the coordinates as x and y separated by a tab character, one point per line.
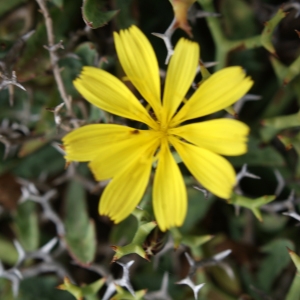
113	157
180	75
110	94
223	136
139	62
126	189
219	91
84	143
213	171
169	192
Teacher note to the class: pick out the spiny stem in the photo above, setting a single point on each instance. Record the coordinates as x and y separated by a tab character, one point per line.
53	57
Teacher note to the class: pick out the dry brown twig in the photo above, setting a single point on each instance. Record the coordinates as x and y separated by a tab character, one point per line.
52	48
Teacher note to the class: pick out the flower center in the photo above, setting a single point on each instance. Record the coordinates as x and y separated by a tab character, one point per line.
163	130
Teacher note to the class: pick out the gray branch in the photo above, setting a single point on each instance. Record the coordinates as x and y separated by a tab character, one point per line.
52	48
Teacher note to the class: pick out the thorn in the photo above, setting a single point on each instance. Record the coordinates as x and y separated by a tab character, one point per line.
114	259
192	263
147	257
222	255
248	97
162	293
59	147
115	248
55	47
292	215
67	164
48	247
280	182
56	110
10	82
189	282
21	252
166	37
124	281
204	191
209	64
204	14
27	35
244	173
111	289
292	5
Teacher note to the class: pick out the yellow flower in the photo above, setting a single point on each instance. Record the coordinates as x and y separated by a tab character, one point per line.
126	154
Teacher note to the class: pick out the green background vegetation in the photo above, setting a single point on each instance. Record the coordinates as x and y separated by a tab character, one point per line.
57	202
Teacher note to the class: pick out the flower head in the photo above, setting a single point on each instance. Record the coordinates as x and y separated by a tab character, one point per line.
126	155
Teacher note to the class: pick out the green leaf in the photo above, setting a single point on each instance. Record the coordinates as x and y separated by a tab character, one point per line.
286	74
124	295
295	258
279	68
258	155
72	67
93	288
47	159
252	204
87	53
273	223
34	288
192	241
94	13
119	234
136	246
235	12
84	291
27	225
5	289
8	252
294	142
124	18
230	284
294	291
97	114
58	3
283	122
144	227
197	208
277	259
274	125
266	36
34	51
42	288
281	100
80	230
